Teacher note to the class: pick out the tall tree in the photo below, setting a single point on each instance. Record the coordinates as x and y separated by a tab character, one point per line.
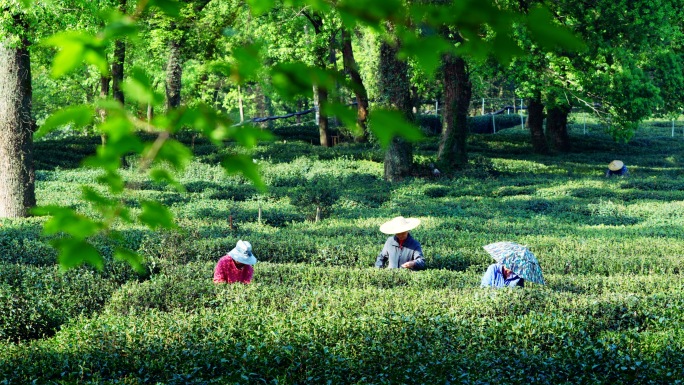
174	69
176	33
321	49
457	92
118	62
557	125
395	92
535	121
17	177
351	68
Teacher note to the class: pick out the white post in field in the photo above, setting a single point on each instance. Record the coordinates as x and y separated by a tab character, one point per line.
259	215
482	106
242	111
522	121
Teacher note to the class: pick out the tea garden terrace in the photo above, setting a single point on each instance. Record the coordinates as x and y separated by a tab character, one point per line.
318	311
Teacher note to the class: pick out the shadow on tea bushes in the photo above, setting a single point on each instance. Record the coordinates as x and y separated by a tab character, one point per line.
36	301
23	242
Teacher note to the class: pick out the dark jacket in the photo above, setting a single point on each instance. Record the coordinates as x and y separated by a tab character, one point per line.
621	172
395	256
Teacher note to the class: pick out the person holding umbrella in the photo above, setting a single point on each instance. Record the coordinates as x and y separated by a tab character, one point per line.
401	250
514	265
498	275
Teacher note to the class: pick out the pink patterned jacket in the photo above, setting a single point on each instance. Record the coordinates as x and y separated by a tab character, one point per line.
227	272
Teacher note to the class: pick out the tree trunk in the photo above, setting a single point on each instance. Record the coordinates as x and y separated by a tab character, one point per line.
242	111
322	117
321	54
104	87
260	99
360	92
557	127
118	70
335	94
17	176
118	62
150	113
174	73
535	120
457	93
268	102
101	112
394	89
315	103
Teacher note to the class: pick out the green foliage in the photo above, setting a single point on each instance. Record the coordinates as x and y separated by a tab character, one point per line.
548	34
235	332
87	41
81	116
317	312
35	302
318	193
609	250
306	133
76	48
385	125
608	75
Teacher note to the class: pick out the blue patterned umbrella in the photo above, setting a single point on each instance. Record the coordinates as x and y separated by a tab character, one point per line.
517	258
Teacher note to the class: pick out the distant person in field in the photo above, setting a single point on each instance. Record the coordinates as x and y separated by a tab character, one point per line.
498	275
237	265
401	250
616	168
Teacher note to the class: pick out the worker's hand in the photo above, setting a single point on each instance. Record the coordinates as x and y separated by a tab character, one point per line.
409	265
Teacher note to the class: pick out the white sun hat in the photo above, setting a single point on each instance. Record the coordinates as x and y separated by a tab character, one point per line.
243	253
399	225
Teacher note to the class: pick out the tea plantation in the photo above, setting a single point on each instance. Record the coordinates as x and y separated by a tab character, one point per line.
318	312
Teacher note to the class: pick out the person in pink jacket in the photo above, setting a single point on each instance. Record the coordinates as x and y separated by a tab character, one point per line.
237	265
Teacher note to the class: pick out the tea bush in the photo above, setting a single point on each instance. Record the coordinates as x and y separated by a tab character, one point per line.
429	124
35	302
483	124
318	312
248	334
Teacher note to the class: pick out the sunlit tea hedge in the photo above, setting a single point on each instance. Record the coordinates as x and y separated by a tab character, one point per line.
318	312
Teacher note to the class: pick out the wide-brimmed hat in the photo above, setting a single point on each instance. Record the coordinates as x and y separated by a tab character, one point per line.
399	225
615	165
243	253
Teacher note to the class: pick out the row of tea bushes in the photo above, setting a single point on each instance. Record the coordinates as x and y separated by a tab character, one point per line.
36	301
453	243
190	286
311	276
610	250
273	333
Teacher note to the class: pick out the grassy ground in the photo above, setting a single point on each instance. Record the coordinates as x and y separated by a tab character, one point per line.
318	312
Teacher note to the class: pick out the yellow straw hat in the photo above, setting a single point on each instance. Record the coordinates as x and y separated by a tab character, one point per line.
399	225
615	165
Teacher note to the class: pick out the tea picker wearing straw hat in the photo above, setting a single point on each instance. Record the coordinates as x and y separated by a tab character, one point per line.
401	250
617	168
